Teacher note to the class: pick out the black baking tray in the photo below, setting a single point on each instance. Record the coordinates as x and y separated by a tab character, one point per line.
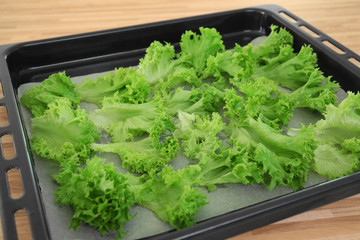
105	50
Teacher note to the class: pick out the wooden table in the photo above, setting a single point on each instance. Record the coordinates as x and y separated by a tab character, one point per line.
25	20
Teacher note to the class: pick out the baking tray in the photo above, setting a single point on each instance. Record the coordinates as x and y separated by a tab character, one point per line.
102	51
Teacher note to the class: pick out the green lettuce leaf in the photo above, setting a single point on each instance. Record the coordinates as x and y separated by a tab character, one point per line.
38	98
148	154
202	101
172	196
272	45
196	49
230	66
62	133
157	63
260	99
126	83
124	121
289	72
339	136
282	160
99	195
333	162
316	93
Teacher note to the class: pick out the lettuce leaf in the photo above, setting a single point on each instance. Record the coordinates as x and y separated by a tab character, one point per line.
126	83
339	135
99	195
196	49
62	133
280	159
316	93
158	62
278	39
201	101
333	162
172	196
58	85
230	66
124	121
148	154
260	99
293	72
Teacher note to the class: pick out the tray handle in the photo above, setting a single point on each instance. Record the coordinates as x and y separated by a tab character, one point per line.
21	206
346	57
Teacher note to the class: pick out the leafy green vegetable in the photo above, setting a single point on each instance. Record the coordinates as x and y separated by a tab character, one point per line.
99	195
144	155
196	49
193	130
163	71
342	122
333	162
221	164
201	101
277	38
38	98
126	83
184	100
316	93
149	154
282	159
235	65
217	163
230	66
182	77
292	73
171	195
62	133
257	154
262	100
339	135
124	121
158	62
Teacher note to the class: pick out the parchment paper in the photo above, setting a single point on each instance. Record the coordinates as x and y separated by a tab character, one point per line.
226	198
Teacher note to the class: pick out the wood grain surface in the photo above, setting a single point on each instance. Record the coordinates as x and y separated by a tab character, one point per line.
26	20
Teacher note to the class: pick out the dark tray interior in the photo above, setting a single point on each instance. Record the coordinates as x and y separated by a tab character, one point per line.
105	50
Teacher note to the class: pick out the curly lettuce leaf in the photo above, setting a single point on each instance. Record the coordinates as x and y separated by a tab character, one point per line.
260	99
157	63
339	135
193	129
278	39
181	77
99	195
333	162
124	121
126	83
283	160
220	164
38	98
292	73
62	132
196	49
201	101
316	93
144	155
342	122
217	163
149	154
172	196
230	66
